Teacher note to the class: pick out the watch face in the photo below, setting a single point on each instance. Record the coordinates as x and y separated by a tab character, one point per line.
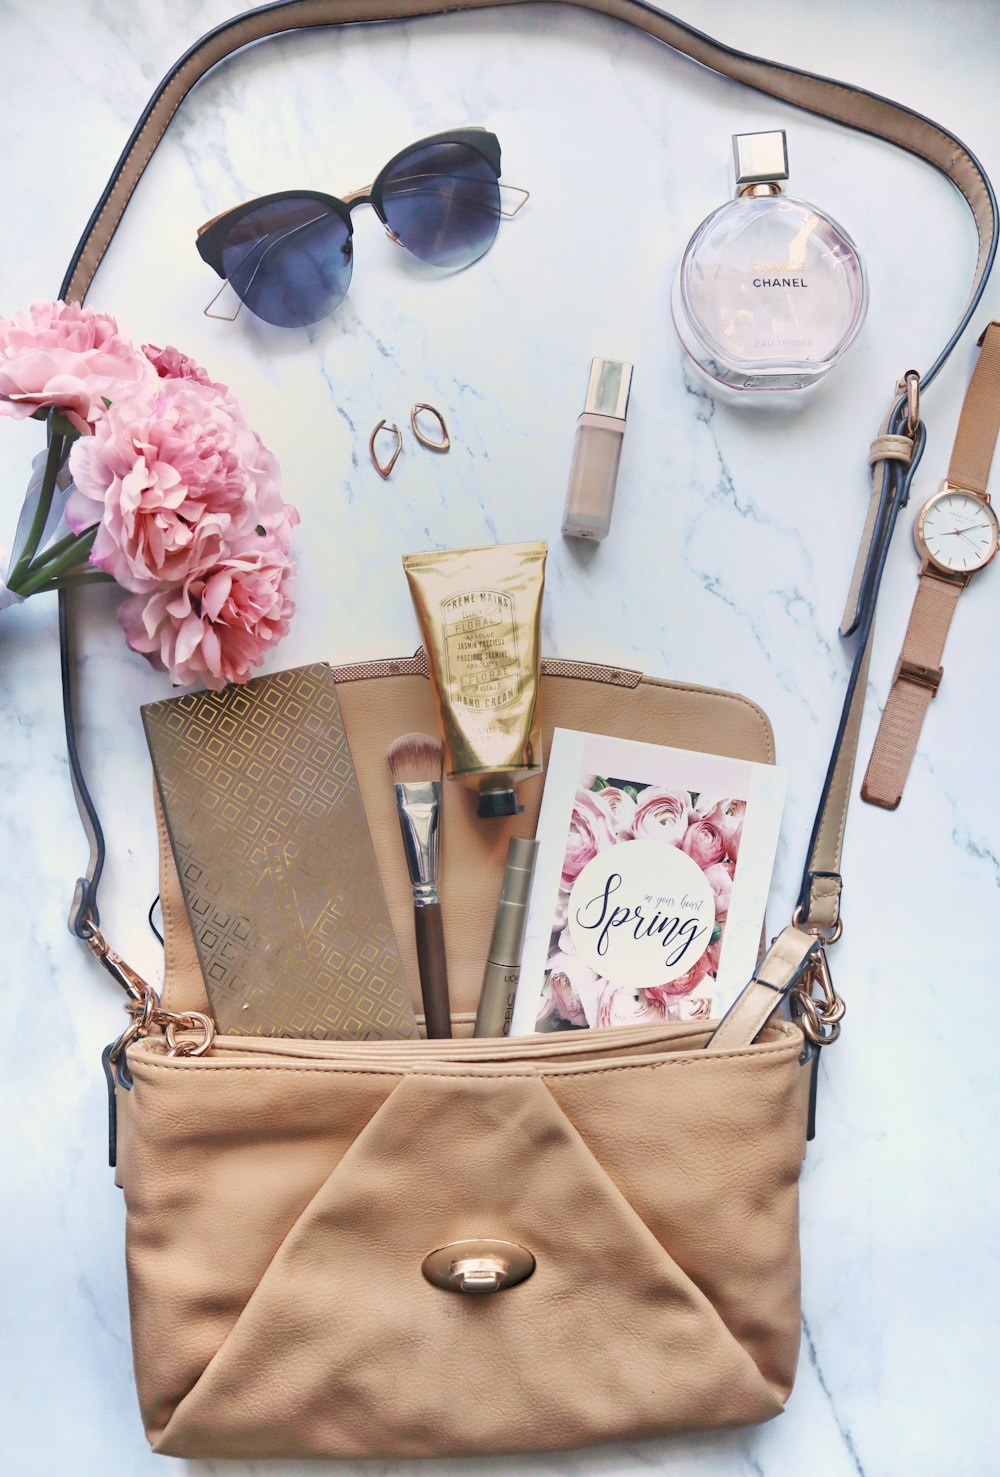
958	531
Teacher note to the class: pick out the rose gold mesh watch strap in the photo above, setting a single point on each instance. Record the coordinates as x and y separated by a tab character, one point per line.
914	684
979	423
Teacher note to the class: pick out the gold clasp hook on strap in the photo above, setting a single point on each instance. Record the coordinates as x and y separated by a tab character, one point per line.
816	1003
123	974
910	383
144	1009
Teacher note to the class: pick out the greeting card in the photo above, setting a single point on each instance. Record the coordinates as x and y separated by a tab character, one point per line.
652	876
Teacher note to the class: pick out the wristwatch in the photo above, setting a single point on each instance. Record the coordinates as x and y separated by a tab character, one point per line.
957	534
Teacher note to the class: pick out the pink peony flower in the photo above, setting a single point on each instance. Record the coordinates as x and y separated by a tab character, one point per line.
720	880
220	622
174	483
684	983
620	1005
728	816
619	809
69	356
704	843
560	995
590	831
661	815
172	364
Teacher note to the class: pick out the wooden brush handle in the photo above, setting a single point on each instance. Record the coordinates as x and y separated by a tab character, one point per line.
433	968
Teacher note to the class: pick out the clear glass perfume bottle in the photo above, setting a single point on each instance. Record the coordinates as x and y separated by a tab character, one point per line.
771	291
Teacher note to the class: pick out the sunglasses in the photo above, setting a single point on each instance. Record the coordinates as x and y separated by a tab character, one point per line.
289	256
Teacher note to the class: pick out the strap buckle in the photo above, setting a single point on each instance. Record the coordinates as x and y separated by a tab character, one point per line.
827	935
927	677
910	383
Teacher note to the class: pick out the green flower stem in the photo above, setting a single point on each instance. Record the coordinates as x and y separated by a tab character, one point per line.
45	575
57	452
74	578
54	551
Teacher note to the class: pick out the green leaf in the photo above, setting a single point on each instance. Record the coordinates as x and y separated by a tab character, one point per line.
632	790
599	784
64	428
106	402
716	934
260	529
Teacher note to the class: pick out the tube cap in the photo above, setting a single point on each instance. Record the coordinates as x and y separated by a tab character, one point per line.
496	803
760	158
519	870
608	388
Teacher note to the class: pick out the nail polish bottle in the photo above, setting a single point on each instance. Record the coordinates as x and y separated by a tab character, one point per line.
593	474
771	291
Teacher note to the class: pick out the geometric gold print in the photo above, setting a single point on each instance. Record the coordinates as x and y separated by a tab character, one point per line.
276	862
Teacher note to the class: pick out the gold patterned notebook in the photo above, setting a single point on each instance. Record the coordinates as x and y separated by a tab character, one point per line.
276	862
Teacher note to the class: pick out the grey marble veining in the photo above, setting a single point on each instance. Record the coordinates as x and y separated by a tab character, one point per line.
731	549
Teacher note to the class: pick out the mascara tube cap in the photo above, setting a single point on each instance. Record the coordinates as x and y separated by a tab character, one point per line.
508	929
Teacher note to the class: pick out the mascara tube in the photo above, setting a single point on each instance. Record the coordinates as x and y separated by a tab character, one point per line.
503	964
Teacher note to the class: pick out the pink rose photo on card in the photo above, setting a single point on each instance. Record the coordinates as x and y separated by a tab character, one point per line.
650	885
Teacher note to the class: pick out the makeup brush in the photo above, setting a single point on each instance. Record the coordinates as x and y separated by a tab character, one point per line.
416	763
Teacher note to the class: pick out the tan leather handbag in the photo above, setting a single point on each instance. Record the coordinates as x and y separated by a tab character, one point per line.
627	1198
282	1195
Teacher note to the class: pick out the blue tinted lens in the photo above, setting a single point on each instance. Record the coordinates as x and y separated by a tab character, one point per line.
289	261
443	202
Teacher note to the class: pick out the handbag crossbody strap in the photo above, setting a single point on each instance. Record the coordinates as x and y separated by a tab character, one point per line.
800	953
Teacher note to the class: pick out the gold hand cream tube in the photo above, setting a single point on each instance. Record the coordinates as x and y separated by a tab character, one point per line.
480	616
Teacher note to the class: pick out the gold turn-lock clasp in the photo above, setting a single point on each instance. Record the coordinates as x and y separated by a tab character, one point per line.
478	1266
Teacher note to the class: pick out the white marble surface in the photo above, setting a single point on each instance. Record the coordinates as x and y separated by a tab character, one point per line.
731	548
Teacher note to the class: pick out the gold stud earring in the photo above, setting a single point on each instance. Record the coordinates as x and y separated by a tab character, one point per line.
444	443
384	469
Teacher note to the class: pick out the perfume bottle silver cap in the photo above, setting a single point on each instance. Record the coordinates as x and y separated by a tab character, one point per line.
608	389
760	158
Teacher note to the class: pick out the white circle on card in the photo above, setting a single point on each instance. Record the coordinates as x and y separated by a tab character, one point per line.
641	913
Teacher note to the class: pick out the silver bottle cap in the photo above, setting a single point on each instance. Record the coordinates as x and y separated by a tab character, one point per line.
608	389
760	158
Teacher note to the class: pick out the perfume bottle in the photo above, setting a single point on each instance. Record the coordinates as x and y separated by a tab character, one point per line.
771	291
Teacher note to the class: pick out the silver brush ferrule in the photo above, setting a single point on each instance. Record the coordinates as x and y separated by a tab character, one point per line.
419	808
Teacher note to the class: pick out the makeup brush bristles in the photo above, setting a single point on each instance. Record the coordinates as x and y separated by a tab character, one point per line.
415	759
